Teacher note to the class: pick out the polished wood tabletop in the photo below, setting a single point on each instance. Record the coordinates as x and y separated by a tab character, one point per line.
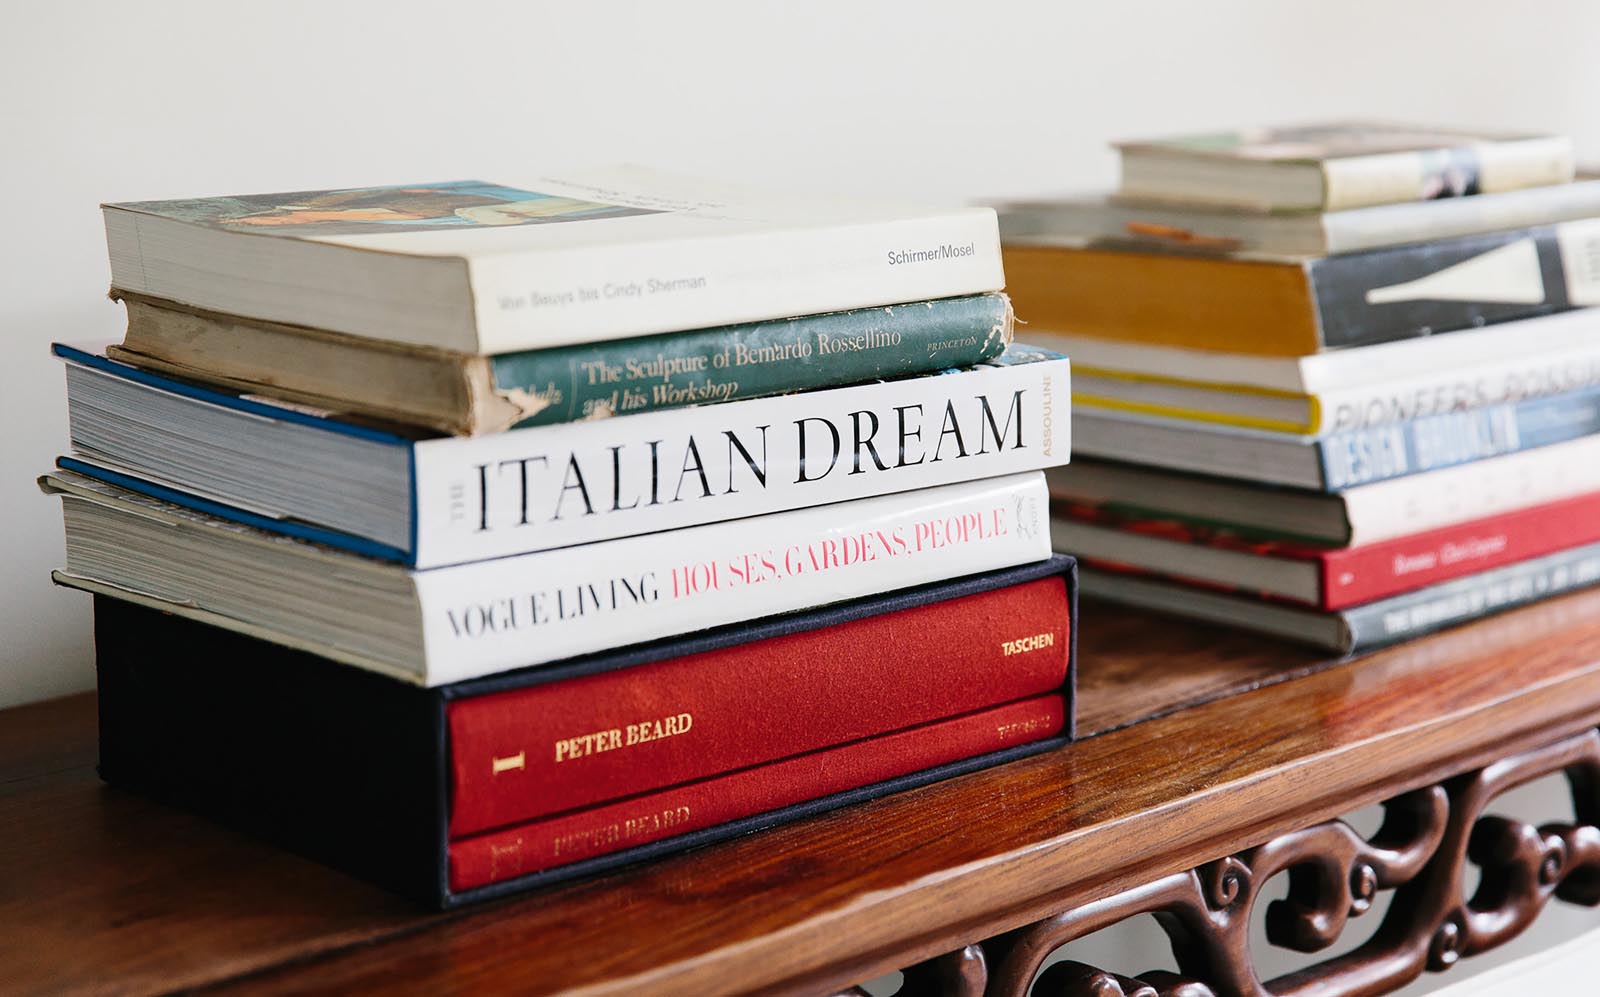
1195	741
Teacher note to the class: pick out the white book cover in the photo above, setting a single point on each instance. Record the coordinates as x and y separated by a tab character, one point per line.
489	267
449	624
544	487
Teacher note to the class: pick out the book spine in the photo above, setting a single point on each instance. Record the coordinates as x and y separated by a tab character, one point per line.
1362	574
1424	221
1352	459
751	360
554	486
527	753
1433	287
487	617
1401	507
517	851
1455	389
586	295
1388	178
1434	608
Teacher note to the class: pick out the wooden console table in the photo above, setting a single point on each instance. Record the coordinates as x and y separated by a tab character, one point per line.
1213	762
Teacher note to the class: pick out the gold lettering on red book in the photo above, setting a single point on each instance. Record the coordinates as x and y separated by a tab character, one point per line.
1022	645
645	730
509	762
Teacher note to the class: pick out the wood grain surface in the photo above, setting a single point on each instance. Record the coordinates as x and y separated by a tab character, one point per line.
106	892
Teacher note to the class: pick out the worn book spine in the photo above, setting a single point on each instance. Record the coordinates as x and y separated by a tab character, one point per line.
1352	459
527	753
555	486
1425	174
1416	290
1436	607
1357	575
516	851
747	361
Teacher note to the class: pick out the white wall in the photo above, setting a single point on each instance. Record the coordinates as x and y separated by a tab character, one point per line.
111	101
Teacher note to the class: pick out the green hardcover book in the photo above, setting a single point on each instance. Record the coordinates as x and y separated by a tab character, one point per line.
468	394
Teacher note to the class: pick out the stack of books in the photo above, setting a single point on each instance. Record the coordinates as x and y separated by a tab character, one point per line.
468	536
1338	382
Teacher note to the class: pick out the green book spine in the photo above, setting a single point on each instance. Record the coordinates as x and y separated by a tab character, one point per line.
622	377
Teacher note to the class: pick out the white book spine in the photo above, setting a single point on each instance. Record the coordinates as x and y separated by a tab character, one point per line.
583	295
1404	506
1451	217
1532	374
555	486
483	618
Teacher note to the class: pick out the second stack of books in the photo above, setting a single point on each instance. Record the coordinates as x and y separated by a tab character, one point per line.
1337	382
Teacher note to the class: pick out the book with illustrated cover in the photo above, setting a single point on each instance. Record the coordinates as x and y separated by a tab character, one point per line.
439	793
1292	306
489	267
451	623
471	394
447	500
1334	166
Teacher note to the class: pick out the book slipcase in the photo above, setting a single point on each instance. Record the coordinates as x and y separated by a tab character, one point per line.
352	769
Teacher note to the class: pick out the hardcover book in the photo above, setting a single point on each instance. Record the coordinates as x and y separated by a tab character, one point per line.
1338	165
1366	627
438	501
448	624
1368	514
1338	461
470	394
1324	579
1341	390
371	775
1147	224
1296	306
487	267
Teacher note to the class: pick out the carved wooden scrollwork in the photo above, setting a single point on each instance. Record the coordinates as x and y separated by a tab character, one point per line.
1420	852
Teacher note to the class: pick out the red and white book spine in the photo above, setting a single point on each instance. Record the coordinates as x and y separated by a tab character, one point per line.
516	851
1355	575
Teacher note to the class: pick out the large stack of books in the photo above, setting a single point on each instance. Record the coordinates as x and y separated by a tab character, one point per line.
468	537
1337	382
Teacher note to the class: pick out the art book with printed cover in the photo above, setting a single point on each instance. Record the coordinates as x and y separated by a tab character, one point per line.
490	267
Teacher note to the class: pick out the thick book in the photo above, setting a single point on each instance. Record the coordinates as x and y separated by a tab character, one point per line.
1295	306
1325	579
1361	628
356	770
1332	166
485	267
448	624
1399	507
1341	390
1337	461
1042	221
437	501
469	394
544	749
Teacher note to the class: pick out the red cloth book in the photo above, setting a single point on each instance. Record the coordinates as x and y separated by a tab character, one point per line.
1354	576
611	827
532	752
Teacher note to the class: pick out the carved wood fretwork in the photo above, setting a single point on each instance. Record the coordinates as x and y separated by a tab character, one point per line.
1420	852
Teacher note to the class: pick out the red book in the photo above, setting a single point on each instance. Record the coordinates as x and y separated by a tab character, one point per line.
1329	579
612	827
540	750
